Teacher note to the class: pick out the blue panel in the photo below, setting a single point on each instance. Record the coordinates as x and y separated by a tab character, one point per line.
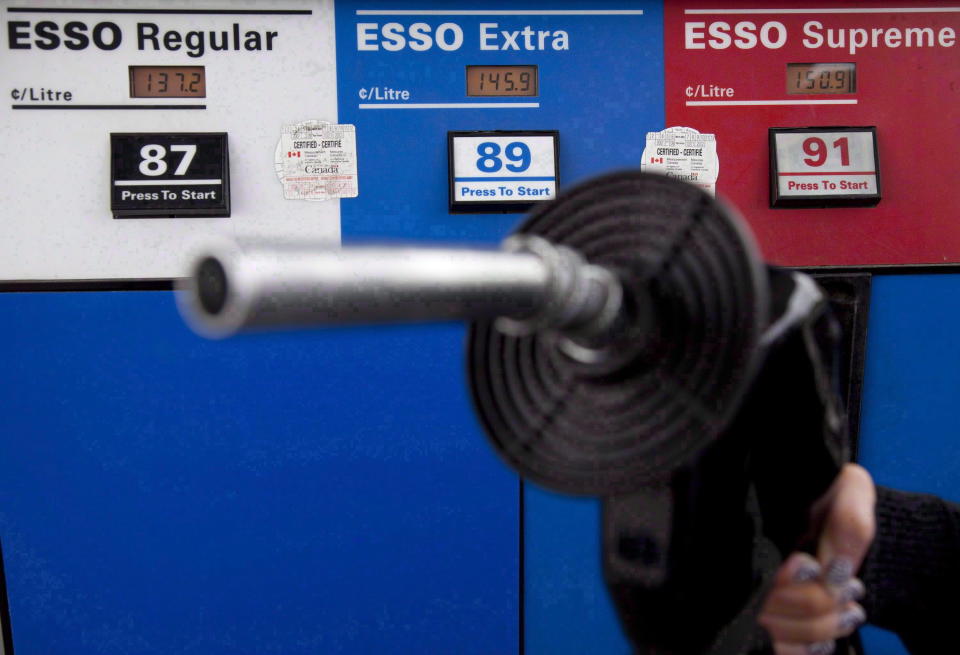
910	391
304	493
603	95
880	642
568	609
910	394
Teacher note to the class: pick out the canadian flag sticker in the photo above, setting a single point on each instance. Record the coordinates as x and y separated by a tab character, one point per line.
317	160
685	154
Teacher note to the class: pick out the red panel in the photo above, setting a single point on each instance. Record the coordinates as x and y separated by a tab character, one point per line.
911	95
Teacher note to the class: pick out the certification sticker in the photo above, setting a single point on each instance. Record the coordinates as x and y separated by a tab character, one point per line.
685	154
316	160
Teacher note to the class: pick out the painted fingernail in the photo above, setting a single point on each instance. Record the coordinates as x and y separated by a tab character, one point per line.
851	619
839	571
822	648
852	590
807	570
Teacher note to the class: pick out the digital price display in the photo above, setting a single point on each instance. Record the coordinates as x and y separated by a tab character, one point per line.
168	82
824	167
502	81
810	79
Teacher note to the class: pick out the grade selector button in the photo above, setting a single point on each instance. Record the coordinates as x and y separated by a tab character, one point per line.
169	175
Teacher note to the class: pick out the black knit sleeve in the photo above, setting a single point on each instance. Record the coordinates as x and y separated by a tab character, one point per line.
912	572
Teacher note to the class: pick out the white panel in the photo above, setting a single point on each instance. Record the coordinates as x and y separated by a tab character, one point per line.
56	222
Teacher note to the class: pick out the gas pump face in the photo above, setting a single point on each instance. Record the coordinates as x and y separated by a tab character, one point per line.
333	491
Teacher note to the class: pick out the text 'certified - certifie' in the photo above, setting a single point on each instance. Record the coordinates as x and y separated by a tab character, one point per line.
316	160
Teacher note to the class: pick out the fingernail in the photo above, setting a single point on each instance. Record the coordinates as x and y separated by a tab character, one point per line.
807	570
822	648
851	619
853	590
839	571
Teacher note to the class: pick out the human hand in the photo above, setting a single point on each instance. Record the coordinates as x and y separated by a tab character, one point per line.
813	601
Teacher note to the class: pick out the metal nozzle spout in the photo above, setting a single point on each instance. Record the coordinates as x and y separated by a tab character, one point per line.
529	285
